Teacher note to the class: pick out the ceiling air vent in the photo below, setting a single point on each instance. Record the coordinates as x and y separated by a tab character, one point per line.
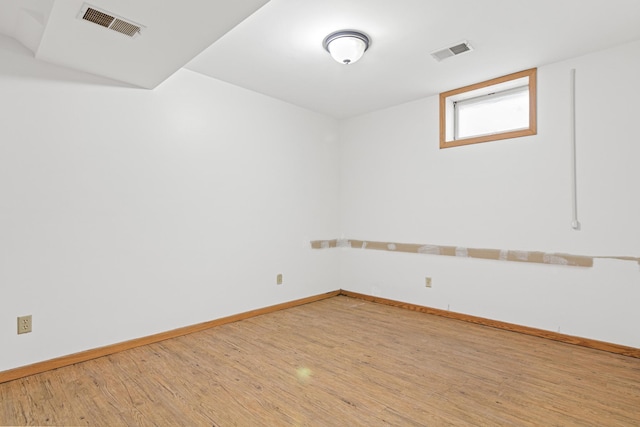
448	52
109	20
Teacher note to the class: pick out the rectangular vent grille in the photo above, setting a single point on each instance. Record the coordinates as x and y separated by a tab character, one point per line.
98	17
110	21
448	52
460	48
124	27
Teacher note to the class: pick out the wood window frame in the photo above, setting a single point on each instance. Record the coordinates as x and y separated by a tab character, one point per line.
531	130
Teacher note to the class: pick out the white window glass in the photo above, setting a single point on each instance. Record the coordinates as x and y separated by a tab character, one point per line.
493	113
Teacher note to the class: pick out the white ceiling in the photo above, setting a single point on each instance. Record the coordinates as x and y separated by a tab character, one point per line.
278	50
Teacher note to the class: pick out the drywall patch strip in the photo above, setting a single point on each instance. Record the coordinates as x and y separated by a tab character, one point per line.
463	252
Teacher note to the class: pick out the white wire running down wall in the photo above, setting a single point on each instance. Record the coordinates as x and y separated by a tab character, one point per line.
575	224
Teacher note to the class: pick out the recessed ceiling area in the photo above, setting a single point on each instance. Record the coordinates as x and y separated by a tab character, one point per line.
174	33
275	47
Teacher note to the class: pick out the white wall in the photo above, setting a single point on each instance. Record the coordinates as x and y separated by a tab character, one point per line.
127	212
397	185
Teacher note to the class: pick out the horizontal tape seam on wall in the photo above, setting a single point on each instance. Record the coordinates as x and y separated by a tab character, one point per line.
464	252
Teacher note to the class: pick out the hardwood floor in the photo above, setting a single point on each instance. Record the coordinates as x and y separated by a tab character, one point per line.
342	362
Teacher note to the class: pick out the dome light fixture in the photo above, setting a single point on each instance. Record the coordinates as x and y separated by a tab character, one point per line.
346	46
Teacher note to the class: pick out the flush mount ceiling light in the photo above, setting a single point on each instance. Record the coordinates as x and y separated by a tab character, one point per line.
346	46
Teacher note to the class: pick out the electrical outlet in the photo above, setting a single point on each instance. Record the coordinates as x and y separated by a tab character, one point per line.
427	282
24	324
279	279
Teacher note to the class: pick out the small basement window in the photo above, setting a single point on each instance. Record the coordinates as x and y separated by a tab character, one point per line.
496	109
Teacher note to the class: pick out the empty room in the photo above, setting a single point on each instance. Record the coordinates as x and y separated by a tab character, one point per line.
319	213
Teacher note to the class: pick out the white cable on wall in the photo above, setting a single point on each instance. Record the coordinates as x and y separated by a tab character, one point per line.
575	224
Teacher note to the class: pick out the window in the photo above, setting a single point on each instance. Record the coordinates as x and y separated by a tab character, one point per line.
496	109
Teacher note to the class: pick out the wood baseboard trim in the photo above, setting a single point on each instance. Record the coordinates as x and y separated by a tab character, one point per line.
59	362
556	336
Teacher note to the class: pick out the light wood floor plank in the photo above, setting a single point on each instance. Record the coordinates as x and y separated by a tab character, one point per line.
337	362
